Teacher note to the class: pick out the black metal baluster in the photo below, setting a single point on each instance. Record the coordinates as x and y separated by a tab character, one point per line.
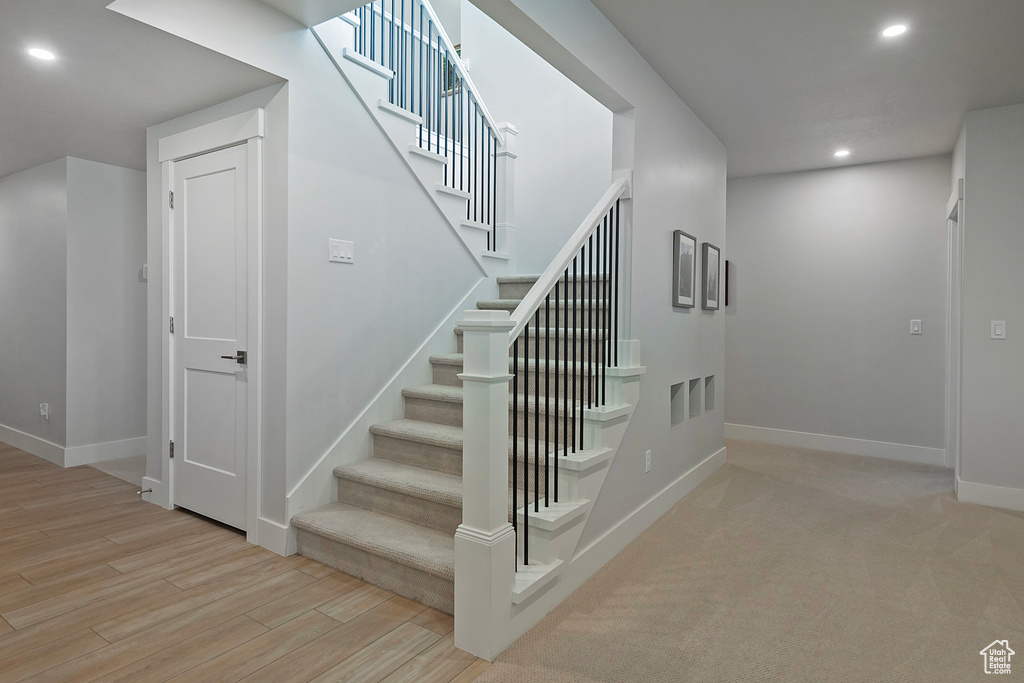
555	398
547	397
494	189
473	171
526	447
568	377
536	412
373	34
575	346
515	437
597	315
606	311
615	290
590	322
440	91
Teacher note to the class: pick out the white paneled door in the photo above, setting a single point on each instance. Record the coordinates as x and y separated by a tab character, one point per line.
210	308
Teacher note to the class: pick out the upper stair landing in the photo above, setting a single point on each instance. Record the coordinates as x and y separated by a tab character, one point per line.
401	64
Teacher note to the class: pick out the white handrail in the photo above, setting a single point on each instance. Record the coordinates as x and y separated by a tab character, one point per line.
491	123
546	282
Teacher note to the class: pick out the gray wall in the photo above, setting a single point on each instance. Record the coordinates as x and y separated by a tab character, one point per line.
993	282
564	142
106	303
33	300
829	268
679	182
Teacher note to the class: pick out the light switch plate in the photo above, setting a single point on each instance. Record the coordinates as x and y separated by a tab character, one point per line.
999	329
915	327
341	251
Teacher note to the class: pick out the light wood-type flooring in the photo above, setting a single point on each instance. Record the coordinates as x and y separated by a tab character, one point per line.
97	585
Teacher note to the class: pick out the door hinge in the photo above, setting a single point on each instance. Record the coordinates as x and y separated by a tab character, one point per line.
170	199
172	324
172	449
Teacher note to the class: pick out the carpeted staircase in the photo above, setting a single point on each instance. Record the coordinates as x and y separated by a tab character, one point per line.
397	512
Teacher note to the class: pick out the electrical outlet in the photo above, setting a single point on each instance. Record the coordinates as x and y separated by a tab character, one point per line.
647	463
44	410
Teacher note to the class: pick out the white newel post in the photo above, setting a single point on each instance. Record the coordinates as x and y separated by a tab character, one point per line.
484	542
506	199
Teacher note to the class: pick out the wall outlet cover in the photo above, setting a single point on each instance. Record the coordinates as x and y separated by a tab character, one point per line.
999	329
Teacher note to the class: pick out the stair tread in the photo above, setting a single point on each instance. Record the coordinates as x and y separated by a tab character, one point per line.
435	392
401	541
417	482
419	431
456	360
578	331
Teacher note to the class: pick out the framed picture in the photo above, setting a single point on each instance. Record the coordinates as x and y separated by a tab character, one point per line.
684	271
711	261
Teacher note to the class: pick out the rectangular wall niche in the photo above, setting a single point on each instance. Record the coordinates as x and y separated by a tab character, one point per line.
678	401
709	394
695	397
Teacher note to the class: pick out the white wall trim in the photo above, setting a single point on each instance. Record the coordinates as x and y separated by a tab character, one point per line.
33	444
98	452
586	562
990	495
838	444
274	536
232	130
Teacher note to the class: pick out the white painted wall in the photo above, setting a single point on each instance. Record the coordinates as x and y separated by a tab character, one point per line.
564	142
829	267
33	301
993	372
680	170
348	329
106	303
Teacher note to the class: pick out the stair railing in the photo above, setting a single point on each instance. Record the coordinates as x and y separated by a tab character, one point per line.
578	342
431	81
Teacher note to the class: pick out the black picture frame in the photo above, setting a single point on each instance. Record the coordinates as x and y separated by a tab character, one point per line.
711	262
684	269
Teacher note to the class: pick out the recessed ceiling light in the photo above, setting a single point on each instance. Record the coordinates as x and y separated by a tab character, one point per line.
895	30
40	53
842	153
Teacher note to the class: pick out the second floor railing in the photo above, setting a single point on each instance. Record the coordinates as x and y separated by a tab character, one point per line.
431	81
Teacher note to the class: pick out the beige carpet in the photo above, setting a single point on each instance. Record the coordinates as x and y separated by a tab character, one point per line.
131	469
795	565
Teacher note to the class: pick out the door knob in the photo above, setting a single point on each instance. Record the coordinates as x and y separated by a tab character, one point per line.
240	358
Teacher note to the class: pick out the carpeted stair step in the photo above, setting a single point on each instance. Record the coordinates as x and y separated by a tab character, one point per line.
586	314
427	497
448	366
395	554
578	339
518	286
434	403
421	444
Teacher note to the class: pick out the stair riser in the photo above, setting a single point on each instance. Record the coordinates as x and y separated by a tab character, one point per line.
519	290
394	504
393	576
428	456
438	412
447	375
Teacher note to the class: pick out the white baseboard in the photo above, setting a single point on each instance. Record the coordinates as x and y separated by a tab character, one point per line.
602	549
838	444
990	495
33	444
274	536
99	452
160	495
586	562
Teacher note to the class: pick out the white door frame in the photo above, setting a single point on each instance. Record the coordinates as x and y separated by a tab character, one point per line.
246	128
955	241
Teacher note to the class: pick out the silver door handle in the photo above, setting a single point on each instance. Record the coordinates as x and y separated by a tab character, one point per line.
240	358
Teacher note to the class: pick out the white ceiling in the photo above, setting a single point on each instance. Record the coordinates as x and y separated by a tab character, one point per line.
784	83
115	77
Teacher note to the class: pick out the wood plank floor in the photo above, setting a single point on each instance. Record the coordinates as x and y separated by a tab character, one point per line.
96	585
